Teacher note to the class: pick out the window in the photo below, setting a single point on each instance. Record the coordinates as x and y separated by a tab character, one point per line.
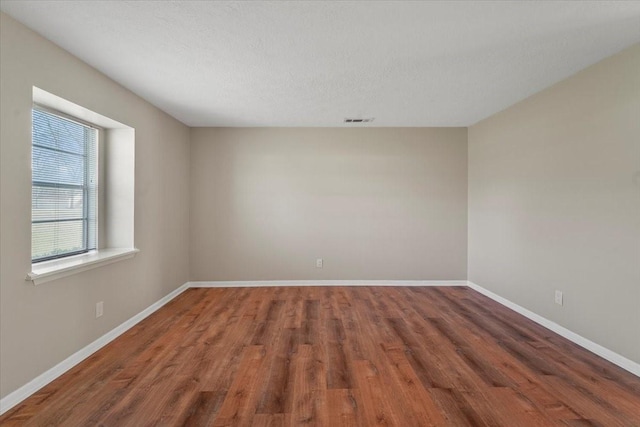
83	189
64	186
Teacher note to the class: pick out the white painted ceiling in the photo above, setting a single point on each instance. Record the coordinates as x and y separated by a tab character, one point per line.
315	63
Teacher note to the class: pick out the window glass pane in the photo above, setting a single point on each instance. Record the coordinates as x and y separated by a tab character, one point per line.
54	238
51	203
56	167
56	132
64	189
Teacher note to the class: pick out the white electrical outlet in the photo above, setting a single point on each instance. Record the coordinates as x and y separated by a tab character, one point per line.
99	309
319	263
558	297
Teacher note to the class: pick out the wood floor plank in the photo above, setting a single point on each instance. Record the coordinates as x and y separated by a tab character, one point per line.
516	409
378	405
431	371
309	397
455	408
422	408
277	379
338	367
203	408
591	406
336	356
269	420
238	408
344	408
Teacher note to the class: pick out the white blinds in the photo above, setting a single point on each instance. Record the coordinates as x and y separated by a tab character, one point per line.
64	187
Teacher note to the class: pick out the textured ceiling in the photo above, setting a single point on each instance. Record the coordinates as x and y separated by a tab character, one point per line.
315	63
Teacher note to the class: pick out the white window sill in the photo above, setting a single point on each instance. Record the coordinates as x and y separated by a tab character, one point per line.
47	271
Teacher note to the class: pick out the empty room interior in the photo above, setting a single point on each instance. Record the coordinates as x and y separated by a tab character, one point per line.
331	213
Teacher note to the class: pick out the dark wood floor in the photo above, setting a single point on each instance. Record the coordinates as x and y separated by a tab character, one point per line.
337	356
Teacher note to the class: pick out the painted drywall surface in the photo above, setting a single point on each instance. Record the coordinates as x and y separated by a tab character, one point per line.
410	63
40	326
372	203
554	203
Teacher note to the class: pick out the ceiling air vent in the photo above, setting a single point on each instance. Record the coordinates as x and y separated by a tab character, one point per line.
369	120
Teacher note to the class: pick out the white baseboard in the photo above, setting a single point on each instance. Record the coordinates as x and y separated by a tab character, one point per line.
593	347
266	283
17	396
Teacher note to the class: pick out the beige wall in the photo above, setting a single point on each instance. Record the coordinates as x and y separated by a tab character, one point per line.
554	203
40	326
376	203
